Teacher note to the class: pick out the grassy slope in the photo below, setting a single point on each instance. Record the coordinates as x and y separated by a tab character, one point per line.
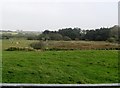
85	66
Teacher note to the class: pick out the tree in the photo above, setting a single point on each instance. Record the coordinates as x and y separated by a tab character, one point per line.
66	38
71	33
101	34
43	37
46	32
55	36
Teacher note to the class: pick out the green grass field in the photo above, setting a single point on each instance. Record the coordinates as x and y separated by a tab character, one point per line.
62	67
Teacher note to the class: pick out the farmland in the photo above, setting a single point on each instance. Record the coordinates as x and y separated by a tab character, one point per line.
80	66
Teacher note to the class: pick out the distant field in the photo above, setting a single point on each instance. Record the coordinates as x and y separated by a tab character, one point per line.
82	66
85	45
6	43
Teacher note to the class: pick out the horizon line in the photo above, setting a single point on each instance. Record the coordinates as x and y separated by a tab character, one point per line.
58	28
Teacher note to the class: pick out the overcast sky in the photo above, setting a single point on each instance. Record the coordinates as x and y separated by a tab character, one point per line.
42	15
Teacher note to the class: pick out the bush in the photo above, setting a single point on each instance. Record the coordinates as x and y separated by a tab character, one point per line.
76	39
31	38
13	48
111	39
38	45
66	38
55	36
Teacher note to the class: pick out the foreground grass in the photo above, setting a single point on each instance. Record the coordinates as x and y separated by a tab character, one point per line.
71	67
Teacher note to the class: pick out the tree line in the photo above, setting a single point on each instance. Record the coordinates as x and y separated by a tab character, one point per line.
102	34
67	34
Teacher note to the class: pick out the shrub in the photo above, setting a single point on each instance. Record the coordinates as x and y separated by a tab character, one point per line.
66	38
13	48
31	38
111	39
38	45
76	39
55	36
